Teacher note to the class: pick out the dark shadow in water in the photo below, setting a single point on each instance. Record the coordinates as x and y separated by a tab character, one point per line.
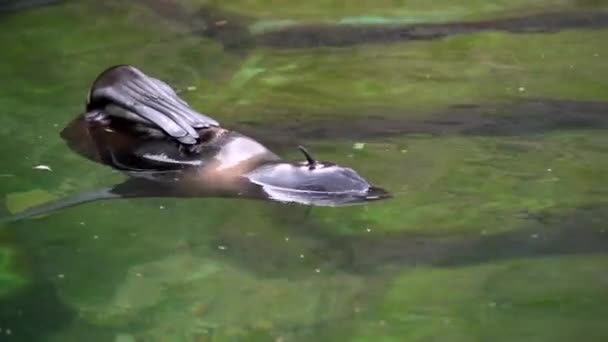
576	234
306	36
579	231
527	117
8	6
34	312
232	30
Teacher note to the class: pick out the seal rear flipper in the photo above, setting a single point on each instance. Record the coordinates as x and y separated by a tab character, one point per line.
151	99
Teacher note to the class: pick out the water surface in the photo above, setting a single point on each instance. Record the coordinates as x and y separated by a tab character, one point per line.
485	119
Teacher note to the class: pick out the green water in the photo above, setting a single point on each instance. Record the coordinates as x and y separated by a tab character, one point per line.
492	142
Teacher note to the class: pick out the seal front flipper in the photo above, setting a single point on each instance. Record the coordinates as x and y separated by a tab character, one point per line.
125	151
152	100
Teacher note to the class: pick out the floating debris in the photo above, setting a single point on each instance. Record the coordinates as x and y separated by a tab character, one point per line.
61	276
221	247
521	89
42	167
161	207
358	146
191	88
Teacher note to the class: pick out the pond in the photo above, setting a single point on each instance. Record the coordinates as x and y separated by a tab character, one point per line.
486	120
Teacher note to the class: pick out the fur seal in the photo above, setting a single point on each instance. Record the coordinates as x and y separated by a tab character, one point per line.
137	124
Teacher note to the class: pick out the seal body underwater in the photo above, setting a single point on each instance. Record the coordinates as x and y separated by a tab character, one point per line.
138	125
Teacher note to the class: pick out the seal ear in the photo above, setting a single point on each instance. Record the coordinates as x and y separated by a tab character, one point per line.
312	163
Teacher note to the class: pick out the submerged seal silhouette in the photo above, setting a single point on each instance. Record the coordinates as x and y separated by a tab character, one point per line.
137	124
